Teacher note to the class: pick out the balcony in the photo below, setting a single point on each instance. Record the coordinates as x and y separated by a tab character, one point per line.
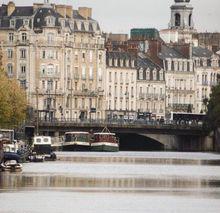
180	107
86	93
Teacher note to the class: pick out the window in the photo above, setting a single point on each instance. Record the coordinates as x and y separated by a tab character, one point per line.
10	69
12	23
154	75
50	85
43	69
83	57
161	75
141	76
23	53
91	73
43	54
100	74
43	84
50	38
11	37
23	69
51	54
190	20
148	75
76	103
10	53
83	73
23	84
90	56
100	58
24	37
26	22
50	69
177	20
50	21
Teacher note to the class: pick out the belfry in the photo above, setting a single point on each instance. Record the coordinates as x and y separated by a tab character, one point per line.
181	15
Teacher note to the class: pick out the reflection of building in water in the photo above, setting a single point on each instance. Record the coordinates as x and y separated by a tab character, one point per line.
9	182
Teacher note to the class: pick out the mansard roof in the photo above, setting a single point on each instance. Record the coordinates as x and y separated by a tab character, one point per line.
168	52
201	52
120	55
146	63
23	11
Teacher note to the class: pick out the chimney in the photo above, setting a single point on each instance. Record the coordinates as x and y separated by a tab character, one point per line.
85	12
64	10
10	8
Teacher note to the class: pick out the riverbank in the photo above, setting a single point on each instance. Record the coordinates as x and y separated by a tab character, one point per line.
115	182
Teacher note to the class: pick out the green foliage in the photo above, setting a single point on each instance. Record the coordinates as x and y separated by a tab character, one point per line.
12	102
213	115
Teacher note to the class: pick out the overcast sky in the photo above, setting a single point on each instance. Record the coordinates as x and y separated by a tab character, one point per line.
119	16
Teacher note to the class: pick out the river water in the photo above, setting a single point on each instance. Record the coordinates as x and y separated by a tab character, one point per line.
148	182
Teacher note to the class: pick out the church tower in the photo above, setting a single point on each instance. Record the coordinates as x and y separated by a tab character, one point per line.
181	15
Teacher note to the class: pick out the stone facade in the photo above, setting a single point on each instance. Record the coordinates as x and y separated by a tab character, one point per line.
150	89
121	76
58	56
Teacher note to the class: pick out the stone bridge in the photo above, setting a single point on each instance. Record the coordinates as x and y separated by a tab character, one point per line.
169	136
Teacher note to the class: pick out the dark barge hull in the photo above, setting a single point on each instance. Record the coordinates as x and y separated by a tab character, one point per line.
76	148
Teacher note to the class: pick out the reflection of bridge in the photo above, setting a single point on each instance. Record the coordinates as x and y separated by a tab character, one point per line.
170	136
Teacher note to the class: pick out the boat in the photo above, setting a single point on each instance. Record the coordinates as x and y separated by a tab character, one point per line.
42	145
42	149
105	141
11	162
76	141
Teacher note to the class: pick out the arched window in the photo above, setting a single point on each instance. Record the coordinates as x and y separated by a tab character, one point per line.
190	20
177	19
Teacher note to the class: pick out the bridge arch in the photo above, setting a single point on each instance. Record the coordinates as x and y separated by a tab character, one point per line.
138	142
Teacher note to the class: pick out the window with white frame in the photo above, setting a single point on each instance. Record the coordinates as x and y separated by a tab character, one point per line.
12	23
141	74
50	38
83	73
154	75
161	75
26	22
43	69
148	75
50	21
50	69
91	73
10	69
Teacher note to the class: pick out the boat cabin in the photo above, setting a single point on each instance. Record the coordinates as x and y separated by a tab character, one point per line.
77	136
42	145
105	137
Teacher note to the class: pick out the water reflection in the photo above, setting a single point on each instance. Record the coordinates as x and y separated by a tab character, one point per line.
16	181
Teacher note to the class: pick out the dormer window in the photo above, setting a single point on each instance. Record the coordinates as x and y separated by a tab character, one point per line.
132	63
115	62
26	22
141	74
50	20
110	62
161	75
12	23
127	63
121	62
154	75
148	75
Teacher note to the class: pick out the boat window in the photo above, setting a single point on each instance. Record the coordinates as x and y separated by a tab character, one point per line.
46	140
38	140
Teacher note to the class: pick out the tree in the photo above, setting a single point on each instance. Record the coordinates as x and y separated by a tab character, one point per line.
12	102
213	115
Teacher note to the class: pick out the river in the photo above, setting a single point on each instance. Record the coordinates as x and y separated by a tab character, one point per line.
148	182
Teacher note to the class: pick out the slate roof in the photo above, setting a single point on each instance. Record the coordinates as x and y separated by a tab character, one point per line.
39	16
22	11
168	52
119	55
146	63
202	52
